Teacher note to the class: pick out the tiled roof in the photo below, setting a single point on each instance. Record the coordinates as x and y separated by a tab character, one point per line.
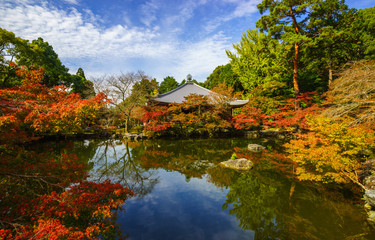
178	94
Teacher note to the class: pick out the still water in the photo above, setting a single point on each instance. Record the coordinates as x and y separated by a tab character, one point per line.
182	192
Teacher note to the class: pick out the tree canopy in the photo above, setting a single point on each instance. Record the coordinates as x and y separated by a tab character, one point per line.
364	30
169	83
259	59
286	20
223	74
36	53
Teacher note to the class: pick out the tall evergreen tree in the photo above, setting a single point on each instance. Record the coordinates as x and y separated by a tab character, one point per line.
332	44
286	20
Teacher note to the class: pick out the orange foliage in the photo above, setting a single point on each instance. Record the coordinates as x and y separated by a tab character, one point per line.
331	152
48	198
33	107
156	118
276	160
287	116
44	196
195	114
248	118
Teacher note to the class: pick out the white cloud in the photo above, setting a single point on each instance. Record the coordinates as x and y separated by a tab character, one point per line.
242	8
201	57
81	39
75	2
245	8
72	34
149	12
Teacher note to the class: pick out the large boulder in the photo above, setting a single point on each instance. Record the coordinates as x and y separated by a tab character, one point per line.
238	164
255	147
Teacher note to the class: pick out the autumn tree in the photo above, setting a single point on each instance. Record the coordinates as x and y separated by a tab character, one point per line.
340	139
36	53
35	108
283	115
40	202
196	115
46	195
331	151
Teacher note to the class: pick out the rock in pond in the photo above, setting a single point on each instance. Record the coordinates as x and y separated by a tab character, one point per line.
370	197
255	147
238	164
369	182
371	216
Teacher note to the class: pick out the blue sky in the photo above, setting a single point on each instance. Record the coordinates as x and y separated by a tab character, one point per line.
161	37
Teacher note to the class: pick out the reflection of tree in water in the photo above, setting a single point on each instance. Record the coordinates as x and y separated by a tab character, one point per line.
83	149
275	207
255	205
115	161
193	158
265	200
222	177
215	150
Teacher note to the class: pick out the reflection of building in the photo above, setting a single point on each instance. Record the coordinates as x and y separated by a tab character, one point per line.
178	95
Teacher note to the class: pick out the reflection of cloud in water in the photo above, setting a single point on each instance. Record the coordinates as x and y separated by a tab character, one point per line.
115	162
176	209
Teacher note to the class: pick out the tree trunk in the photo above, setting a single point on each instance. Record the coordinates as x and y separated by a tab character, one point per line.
295	77
297	105
126	124
127	121
330	70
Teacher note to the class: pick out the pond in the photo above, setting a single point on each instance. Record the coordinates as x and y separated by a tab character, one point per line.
182	192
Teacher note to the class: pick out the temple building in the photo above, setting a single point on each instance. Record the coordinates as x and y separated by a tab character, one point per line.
178	95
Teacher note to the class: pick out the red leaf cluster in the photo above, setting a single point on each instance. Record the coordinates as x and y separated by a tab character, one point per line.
35	108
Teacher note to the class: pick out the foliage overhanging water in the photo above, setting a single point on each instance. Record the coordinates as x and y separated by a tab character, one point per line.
182	193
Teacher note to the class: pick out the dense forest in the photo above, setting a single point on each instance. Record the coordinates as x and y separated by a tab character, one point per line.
308	68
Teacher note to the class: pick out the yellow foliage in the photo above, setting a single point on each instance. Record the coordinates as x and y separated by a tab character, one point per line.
331	151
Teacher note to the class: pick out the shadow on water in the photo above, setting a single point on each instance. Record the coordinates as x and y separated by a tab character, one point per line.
182	193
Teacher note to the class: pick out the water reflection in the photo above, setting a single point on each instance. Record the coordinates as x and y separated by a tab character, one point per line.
184	194
117	161
278	208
